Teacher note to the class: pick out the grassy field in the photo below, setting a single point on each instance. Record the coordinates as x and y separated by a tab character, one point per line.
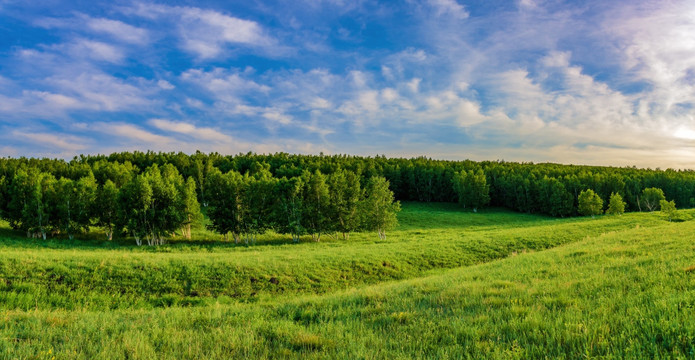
445	284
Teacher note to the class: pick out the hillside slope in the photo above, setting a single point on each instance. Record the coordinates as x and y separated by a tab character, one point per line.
623	294
59	274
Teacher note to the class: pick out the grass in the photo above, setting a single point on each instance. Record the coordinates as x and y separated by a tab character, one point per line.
618	287
78	275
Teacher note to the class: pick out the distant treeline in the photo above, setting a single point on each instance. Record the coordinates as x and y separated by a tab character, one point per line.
550	189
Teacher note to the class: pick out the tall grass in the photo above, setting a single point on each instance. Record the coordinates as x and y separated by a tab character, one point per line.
81	276
619	287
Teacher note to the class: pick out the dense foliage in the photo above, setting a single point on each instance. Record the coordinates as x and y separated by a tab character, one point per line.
590	203
151	205
616	205
150	194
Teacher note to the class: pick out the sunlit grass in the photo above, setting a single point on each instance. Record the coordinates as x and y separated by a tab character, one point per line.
619	287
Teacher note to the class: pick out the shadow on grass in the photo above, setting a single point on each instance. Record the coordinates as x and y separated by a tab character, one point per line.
10	238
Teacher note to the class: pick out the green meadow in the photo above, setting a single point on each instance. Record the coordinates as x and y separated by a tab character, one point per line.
446	284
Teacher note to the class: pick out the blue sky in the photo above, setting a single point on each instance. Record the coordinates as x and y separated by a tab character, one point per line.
583	82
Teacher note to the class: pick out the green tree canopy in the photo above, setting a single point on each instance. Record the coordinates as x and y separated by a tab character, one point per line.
106	208
651	198
134	201
27	209
193	218
316	204
589	203
74	204
668	208
471	188
345	194
288	207
616	205
225	194
152	205
257	203
379	208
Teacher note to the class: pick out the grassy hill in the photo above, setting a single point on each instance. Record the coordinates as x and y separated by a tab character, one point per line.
446	284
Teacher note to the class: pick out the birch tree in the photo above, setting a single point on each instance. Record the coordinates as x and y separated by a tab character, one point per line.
316	204
134	201
257	203
106	208
192	215
651	198
224	205
287	208
345	194
378	207
26	210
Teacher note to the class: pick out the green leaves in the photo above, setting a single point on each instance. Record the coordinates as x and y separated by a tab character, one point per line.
651	198
316	201
472	188
668	208
590	203
616	206
379	208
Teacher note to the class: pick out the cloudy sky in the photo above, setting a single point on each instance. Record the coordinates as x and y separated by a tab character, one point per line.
583	82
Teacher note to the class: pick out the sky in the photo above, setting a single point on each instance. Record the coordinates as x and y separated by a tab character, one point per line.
575	82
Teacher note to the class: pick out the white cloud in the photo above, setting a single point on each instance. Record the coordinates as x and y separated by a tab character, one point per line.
75	88
369	100
208	33
556	59
165	85
100	91
469	113
96	50
90	27
657	46
359	78
278	117
223	84
10	105
63	142
75	53
9	151
319	103
133	137
389	94
449	7
202	133
685	133
414	85
118	29
528	4
56	100
133	133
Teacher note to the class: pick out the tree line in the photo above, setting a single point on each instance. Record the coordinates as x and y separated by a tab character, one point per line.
551	189
153	204
545	188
